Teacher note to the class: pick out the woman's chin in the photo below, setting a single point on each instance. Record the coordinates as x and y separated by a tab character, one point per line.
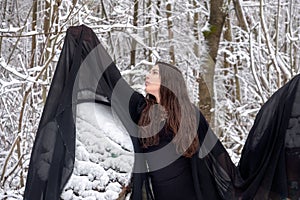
147	90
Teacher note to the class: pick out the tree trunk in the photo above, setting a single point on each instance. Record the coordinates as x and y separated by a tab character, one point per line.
47	23
218	13
4	8
133	41
55	15
158	14
33	28
233	91
228	82
240	15
149	30
170	32
196	30
3	4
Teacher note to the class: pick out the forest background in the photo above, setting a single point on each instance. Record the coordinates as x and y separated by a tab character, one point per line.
234	55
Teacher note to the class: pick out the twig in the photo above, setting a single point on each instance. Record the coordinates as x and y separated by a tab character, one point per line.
270	50
253	69
8	156
15	46
14	169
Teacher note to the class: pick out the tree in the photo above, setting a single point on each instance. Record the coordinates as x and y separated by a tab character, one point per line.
133	41
170	32
218	13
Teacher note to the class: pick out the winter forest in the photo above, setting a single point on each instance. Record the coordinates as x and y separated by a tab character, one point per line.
234	55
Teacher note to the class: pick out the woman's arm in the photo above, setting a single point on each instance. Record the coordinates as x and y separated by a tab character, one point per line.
217	160
125	101
128	105
122	97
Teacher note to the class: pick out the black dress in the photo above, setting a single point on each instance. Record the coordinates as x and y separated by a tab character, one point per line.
175	180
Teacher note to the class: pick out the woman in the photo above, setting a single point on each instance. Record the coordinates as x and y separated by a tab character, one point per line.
170	130
176	115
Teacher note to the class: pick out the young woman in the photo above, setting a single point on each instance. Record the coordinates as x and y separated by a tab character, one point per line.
172	135
174	181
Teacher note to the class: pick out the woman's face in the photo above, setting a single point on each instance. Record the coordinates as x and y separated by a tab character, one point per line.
153	81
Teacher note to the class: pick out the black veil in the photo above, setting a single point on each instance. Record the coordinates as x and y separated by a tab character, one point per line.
270	160
53	153
79	77
269	167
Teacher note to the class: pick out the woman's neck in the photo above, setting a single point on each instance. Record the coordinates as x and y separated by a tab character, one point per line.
157	98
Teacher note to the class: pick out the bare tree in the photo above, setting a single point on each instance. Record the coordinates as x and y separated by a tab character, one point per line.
240	15
196	30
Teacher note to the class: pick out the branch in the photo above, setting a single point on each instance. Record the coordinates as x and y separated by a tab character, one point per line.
7	158
14	169
26	77
15	46
253	68
29	34
272	53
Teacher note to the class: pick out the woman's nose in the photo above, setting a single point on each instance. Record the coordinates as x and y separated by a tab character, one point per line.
147	75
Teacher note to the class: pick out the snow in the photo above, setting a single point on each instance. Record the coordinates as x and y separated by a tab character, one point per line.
206	27
17	74
11	29
104	158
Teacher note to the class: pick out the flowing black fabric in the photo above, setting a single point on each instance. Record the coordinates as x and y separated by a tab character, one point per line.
270	161
52	158
269	165
80	76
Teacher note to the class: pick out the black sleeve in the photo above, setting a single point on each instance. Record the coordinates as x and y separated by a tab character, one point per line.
127	103
209	142
218	163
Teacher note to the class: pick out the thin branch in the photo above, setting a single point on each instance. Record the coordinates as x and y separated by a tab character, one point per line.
15	46
254	73
14	169
270	49
8	156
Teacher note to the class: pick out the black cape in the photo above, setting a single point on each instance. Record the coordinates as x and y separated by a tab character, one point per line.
269	163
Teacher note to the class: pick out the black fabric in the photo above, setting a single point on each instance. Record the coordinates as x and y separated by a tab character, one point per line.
267	168
167	182
269	165
80	76
52	157
263	164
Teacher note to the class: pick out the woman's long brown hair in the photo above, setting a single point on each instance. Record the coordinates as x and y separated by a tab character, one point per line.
175	108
